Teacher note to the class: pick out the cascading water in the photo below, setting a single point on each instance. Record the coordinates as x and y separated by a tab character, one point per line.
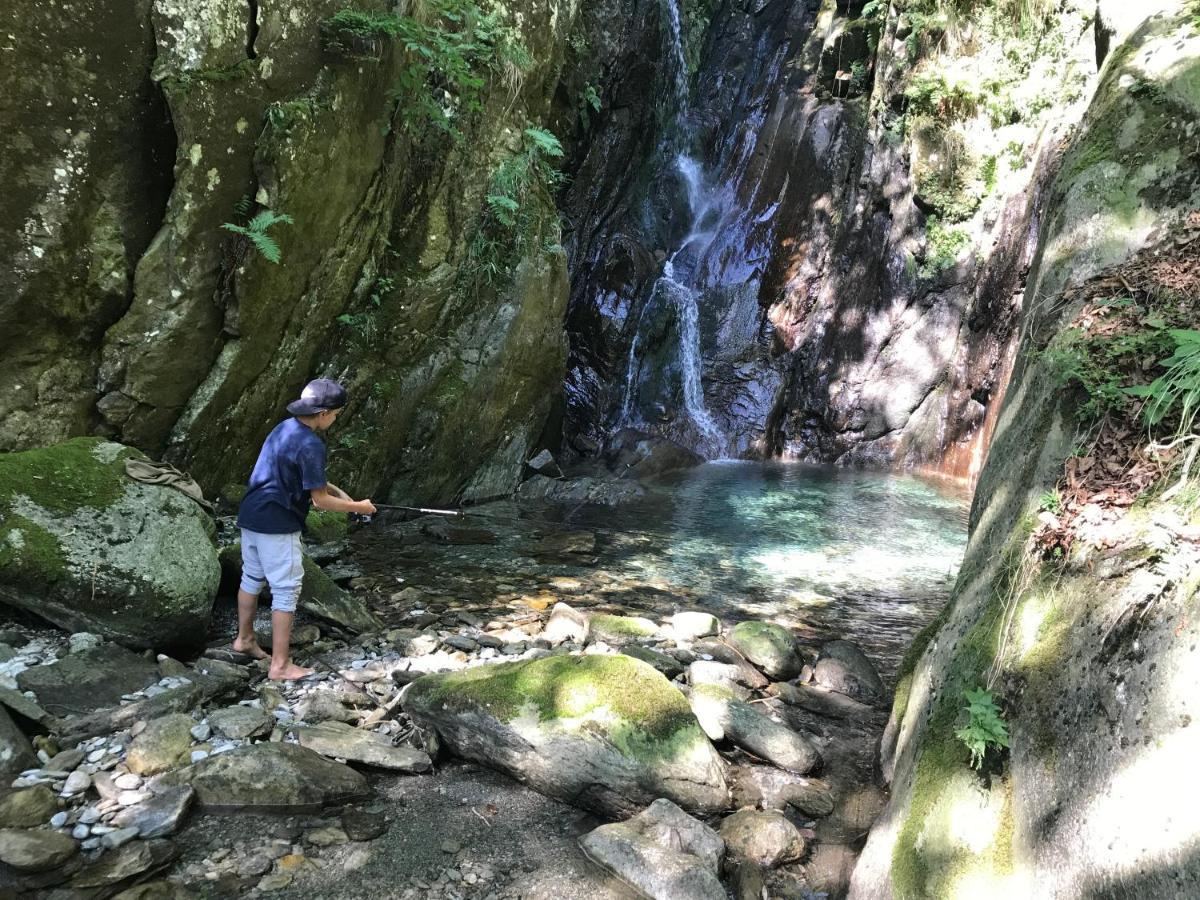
704	209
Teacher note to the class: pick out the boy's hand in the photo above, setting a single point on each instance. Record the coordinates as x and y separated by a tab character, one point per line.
365	508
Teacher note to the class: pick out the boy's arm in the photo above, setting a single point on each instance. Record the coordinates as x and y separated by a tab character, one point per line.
337	491
323	498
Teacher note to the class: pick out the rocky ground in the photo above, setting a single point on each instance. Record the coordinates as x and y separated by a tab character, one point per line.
345	788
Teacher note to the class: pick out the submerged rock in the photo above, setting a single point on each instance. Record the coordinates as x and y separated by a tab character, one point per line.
638	454
769	646
662	852
606	733
88	548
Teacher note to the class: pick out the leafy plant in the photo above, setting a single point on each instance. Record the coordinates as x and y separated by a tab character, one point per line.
257	232
588	100
1051	501
943	245
947	101
985	729
1177	391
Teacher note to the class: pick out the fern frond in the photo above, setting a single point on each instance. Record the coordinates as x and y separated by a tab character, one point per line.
544	141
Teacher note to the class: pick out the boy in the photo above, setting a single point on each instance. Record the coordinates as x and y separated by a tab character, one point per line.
289	473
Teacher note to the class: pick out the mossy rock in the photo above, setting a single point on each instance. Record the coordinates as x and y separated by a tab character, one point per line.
326	527
88	548
769	646
605	733
619	630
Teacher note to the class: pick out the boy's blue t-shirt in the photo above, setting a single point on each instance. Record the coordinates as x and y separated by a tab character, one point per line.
290	464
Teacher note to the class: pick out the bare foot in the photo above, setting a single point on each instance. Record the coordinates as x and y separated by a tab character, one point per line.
250	648
290	672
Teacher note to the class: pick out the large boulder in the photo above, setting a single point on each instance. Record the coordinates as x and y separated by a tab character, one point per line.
638	454
844	668
88	548
16	753
88	680
606	733
769	646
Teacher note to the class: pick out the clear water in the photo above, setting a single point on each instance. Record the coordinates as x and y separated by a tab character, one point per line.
836	553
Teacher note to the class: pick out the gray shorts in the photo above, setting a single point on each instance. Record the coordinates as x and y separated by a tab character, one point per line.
274	559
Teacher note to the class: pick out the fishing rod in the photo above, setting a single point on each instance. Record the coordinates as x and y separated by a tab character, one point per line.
457	513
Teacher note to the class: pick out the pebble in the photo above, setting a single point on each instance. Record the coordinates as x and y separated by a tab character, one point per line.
81	832
58	820
198	755
96	755
77	782
201	732
90	816
128	781
115	839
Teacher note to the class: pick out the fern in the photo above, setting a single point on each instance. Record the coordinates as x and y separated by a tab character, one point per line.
256	231
544	141
985	728
1176	391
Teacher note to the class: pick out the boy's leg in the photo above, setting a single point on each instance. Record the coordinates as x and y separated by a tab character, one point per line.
286	574
247	598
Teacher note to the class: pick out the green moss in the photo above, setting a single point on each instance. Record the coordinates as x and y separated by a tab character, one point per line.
29	553
778	638
623	626
912	656
643	714
64	477
325	527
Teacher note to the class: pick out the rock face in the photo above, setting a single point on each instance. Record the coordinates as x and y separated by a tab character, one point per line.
606	733
662	852
1101	712
147	320
91	550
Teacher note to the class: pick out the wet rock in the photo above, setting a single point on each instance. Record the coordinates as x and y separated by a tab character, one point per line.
769	646
164	744
88	680
28	808
585	489
565	624
335	739
763	837
668	665
662	853
361	825
688	626
844	668
606	733
238	723
749	729
92	549
619	630
16	753
160	815
766	787
566	545
273	776
638	454
35	851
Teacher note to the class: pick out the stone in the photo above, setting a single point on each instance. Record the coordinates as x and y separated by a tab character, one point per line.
662	853
769	646
276	882
824	702
164	745
201	732
160	815
763	837
83	640
620	630
35	851
745	726
461	642
688	626
361	825
844	668
88	680
129	860
606	733
668	665
239	723
328	836
565	544
565	624
766	787
269	777
254	865
155	890
77	782
127	781
94	550
724	653
28	808
65	761
16	702
336	739
717	675
323	706
118	838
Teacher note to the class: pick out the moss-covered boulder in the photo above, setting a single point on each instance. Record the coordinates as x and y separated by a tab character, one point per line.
88	548
769	646
606	733
325	526
620	630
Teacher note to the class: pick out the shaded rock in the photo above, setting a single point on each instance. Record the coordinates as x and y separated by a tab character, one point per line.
748	881
156	890
687	626
769	646
35	851
269	776
461	642
606	733
749	729
28	808
241	722
360	825
663	853
844	668
766	787
88	680
566	543
162	745
823	702
92	550
366	747
543	462
723	652
619	630
639	454
585	489
565	624
16	753
322	706
131	860
762	837
159	816
668	665
717	674
65	761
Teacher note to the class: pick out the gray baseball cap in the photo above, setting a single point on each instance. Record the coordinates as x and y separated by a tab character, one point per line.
317	397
